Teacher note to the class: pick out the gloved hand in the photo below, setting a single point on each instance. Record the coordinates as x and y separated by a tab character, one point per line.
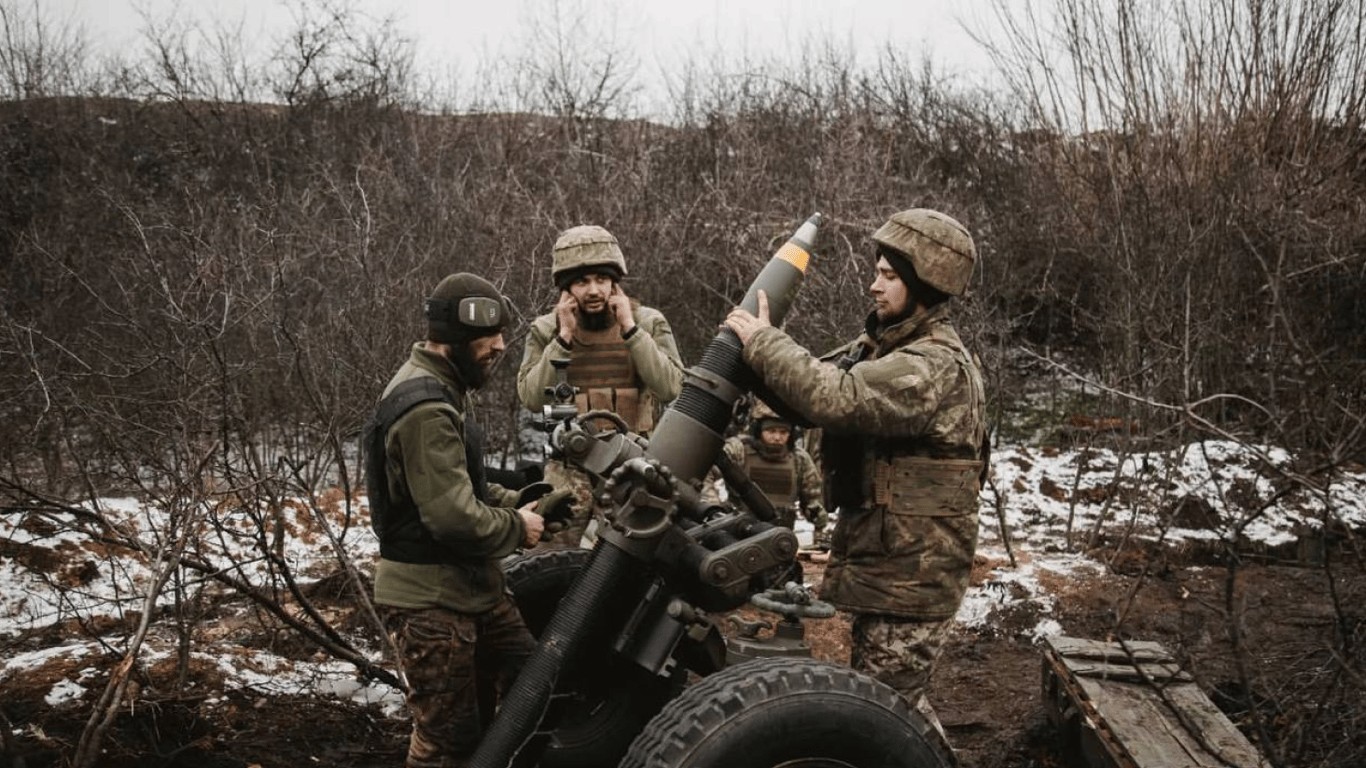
821	540
557	507
820	520
532	493
819	517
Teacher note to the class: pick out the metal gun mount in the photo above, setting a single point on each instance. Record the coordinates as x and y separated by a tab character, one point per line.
664	558
562	406
653	515
792	601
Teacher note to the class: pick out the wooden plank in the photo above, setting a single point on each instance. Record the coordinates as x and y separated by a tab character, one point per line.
1099	650
1129	723
1158	673
1222	736
1138	721
1071	707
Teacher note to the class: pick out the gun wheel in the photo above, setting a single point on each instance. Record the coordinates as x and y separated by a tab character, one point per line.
605	701
788	713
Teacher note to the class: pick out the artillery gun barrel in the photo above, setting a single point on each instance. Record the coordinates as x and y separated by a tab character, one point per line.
687	441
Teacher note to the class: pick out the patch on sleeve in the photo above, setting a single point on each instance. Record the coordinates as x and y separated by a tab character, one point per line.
894	373
908	381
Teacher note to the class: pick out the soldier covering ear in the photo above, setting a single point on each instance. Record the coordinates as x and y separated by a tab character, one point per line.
622	355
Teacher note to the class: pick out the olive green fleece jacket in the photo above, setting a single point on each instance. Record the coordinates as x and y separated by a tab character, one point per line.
425	462
653	353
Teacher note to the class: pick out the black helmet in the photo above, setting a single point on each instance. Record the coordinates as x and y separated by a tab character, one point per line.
762	416
464	307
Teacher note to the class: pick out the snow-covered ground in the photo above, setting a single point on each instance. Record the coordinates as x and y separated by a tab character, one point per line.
1204	492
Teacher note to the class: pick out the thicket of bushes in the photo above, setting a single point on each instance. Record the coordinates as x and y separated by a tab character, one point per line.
192	274
203	294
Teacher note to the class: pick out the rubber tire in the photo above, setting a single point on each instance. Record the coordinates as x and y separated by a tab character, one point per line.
615	697
539	578
788	712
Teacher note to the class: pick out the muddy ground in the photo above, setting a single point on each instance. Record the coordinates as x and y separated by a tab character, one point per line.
1306	691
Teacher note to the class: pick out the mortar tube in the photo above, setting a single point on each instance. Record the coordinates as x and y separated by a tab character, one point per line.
525	703
689	434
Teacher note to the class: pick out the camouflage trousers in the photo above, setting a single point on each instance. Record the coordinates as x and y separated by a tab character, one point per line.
581	485
901	653
455	664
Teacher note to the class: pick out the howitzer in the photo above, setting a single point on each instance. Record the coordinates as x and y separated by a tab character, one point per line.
634	619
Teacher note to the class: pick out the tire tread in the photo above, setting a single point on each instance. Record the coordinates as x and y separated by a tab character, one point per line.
708	705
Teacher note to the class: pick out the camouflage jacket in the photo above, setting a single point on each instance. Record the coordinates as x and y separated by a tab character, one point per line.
800	490
910	416
654	356
426	463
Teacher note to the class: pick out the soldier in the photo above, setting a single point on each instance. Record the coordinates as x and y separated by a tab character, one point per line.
622	356
782	470
903	413
442	529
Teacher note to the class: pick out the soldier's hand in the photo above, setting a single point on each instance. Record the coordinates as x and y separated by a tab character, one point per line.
564	313
557	507
534	523
820	518
744	324
620	305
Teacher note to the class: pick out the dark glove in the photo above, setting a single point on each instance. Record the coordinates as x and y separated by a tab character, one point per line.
819	517
820	520
532	493
821	540
557	507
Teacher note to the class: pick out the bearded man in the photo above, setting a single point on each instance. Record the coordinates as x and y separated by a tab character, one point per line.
622	355
443	529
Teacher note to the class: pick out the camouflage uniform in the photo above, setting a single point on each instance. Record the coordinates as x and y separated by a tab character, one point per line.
901	653
439	581
631	375
438	650
911	418
648	362
903	418
787	476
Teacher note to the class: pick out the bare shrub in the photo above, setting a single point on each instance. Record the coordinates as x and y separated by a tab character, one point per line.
204	295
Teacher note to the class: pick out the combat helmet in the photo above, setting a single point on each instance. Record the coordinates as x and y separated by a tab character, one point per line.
580	248
939	248
762	416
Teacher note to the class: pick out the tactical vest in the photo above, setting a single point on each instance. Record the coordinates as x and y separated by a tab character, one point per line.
600	366
777	478
398	524
904	546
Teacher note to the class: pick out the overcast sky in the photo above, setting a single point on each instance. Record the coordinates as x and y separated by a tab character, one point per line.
454	34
